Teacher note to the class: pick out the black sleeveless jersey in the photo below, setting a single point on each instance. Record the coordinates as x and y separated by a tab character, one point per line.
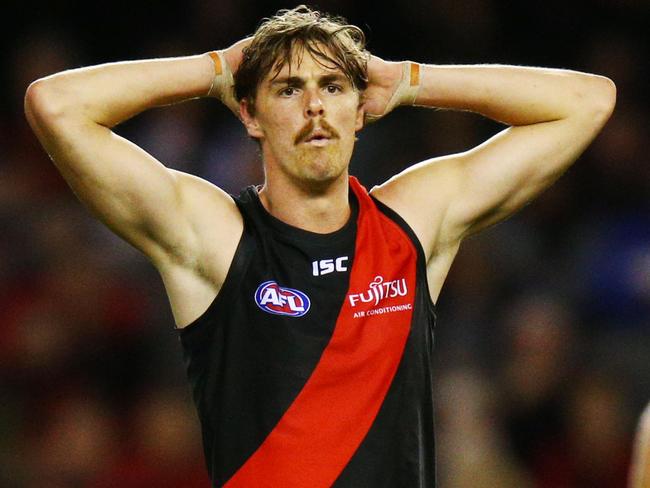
312	366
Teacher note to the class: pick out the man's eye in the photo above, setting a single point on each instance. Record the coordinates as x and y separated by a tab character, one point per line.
333	88
288	91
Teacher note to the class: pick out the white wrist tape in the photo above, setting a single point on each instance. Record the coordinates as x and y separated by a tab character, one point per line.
223	84
406	92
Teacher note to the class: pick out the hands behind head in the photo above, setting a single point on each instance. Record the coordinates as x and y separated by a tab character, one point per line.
379	98
384	78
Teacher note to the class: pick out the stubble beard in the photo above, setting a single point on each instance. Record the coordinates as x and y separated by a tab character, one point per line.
319	163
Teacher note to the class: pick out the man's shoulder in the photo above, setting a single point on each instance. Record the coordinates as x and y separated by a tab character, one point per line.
423	214
206	202
215	223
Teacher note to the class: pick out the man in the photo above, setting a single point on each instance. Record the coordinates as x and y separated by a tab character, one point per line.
306	306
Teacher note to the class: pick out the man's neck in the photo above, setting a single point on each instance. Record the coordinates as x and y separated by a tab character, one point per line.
323	211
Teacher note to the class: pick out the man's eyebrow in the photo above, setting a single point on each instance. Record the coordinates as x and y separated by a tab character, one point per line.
333	77
288	80
298	81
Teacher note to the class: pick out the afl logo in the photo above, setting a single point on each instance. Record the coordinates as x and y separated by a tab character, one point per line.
275	299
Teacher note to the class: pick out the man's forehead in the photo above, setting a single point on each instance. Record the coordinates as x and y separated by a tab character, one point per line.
303	61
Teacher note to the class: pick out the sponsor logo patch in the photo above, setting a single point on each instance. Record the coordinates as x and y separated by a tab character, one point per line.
379	290
279	300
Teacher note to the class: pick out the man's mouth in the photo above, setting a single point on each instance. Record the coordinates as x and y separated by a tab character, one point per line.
318	139
319	136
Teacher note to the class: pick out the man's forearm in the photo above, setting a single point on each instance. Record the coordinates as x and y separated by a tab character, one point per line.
111	93
511	94
640	466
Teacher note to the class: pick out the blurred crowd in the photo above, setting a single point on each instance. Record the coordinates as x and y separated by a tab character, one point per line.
543	330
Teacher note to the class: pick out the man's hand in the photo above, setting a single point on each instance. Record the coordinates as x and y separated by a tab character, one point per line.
235	53
384	79
226	64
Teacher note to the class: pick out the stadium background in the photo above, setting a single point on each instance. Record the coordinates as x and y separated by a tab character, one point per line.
543	333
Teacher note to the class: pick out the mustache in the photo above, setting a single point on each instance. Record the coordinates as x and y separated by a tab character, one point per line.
306	131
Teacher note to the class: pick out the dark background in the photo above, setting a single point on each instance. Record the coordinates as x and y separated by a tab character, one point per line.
543	333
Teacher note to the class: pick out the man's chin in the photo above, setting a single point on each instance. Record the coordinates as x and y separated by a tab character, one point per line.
319	180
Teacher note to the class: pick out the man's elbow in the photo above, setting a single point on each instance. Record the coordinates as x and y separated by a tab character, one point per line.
42	102
603	99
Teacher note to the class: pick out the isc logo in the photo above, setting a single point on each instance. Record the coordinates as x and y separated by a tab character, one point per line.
326	266
275	299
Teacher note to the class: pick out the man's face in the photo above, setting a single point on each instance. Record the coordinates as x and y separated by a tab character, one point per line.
306	119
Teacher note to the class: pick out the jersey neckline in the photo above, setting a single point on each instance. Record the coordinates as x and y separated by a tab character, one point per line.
290	231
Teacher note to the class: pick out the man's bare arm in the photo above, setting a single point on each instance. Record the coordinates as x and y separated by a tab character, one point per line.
156	209
640	467
553	114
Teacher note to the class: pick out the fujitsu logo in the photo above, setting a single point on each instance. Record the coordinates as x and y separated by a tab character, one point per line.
379	290
278	300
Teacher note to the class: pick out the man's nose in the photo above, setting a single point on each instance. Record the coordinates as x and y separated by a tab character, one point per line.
314	105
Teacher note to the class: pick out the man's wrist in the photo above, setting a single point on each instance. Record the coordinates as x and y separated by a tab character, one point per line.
407	91
223	84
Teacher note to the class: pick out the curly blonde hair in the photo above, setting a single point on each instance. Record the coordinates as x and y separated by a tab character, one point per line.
330	40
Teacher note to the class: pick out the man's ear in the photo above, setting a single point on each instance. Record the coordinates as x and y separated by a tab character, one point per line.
250	121
361	113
